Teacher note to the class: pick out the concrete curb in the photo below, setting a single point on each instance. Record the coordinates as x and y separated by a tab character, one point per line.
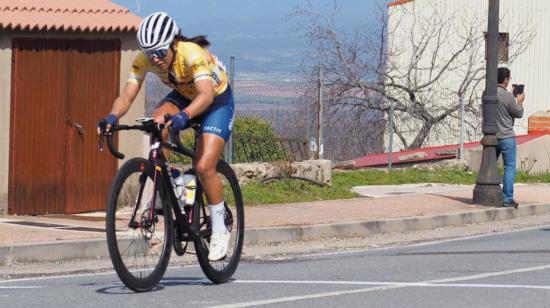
97	248
362	228
53	251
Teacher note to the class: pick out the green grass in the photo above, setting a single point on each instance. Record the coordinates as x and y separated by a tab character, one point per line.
289	190
522	177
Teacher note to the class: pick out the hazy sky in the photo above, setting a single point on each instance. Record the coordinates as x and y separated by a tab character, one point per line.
257	32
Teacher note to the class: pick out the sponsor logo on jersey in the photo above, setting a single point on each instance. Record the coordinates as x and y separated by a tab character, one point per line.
198	66
212	129
231	122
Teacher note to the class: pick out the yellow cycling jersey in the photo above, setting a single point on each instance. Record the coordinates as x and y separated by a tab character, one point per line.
192	62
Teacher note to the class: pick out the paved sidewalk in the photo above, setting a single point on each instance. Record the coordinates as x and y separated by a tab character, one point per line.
386	209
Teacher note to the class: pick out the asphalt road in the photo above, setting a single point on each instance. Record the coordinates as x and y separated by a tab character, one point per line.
507	269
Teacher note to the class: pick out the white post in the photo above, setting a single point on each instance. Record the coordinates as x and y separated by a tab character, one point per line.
320	149
390	146
229	145
461	148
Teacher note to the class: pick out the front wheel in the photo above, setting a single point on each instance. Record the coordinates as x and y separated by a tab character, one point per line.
139	239
221	271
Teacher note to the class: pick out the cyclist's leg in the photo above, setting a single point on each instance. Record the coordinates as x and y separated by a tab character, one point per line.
215	130
171	104
209	149
158	115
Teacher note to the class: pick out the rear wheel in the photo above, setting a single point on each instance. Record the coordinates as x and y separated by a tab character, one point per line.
140	244
221	271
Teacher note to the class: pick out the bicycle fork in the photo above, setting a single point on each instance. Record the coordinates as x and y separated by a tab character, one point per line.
142	183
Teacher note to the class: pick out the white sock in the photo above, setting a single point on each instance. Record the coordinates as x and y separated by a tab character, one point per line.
217	212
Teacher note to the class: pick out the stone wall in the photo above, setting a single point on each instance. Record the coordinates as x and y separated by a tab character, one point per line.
319	171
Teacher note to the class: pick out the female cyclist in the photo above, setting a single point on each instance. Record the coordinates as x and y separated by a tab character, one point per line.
200	93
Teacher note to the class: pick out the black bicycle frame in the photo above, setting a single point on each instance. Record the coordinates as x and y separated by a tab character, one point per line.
156	156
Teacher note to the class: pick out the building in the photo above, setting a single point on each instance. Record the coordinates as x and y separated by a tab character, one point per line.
430	34
64	63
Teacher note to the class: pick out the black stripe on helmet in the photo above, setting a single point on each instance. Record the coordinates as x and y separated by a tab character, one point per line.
146	32
142	32
168	31
153	34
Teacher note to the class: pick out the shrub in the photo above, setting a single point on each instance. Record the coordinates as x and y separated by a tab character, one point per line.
187	139
253	140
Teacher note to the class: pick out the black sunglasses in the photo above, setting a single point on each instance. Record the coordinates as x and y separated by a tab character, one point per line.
159	53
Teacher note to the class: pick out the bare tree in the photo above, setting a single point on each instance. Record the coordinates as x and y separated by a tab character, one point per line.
419	61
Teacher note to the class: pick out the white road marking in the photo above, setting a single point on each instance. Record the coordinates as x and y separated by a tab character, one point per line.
492	274
20	287
56	277
387	286
411	245
82	275
305	256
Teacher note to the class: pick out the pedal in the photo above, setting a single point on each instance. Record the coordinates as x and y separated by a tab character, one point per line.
179	247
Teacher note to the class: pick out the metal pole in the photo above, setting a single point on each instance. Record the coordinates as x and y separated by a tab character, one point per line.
487	190
229	147
308	141
461	148
390	145
320	143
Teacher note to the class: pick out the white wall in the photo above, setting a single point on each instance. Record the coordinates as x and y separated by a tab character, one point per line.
5	102
131	143
516	17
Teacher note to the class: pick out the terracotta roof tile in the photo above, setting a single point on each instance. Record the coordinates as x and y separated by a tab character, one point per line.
431	153
66	15
398	2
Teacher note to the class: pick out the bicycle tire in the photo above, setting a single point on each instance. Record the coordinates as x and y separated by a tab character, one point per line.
125	243
220	271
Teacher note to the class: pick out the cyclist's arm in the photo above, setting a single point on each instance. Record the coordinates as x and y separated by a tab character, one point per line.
126	98
204	98
136	77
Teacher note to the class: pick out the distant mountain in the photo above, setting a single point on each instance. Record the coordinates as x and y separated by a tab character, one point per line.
261	49
258	33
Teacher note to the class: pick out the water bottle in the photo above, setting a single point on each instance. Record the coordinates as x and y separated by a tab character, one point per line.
179	187
189	187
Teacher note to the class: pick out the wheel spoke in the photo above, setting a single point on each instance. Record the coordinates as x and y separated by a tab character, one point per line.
222	270
139	253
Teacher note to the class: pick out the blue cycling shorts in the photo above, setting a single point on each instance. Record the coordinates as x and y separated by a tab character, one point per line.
217	119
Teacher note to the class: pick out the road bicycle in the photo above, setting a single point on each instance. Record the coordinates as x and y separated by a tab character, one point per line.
141	232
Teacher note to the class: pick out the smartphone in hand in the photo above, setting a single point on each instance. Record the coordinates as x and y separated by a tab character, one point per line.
517	89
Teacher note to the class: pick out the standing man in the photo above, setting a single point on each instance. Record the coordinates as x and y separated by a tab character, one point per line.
509	107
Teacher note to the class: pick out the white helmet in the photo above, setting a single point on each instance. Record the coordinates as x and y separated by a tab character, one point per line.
156	30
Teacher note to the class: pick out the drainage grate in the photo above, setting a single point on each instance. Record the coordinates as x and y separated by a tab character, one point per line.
86	229
54	226
34	224
77	217
400	193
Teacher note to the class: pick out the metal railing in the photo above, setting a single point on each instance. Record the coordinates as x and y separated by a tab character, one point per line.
298	113
247	149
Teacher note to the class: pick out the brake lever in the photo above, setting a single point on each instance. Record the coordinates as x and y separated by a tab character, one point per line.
162	126
167	117
101	141
102	128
